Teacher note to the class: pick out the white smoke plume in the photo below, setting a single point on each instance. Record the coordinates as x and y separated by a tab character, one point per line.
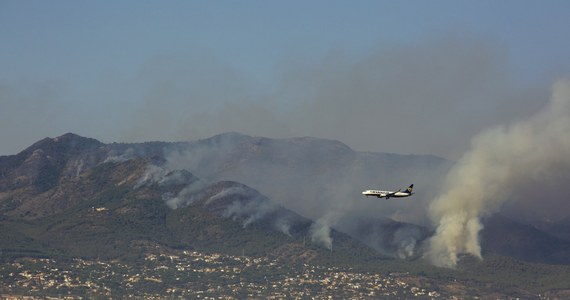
164	177
320	232
405	240
284	225
255	208
501	161
153	174
248	211
117	156
186	196
228	192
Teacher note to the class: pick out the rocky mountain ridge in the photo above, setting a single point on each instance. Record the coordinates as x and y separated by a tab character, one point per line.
87	185
100	205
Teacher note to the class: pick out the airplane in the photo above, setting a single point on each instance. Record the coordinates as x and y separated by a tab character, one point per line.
387	194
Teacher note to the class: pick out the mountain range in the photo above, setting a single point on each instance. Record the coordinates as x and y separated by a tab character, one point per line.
73	196
295	198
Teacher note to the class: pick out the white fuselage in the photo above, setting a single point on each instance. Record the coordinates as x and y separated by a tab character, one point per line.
385	194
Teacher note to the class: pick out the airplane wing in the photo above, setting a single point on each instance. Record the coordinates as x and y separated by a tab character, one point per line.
393	193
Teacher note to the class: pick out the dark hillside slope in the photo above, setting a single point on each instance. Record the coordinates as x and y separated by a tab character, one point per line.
509	238
41	165
120	210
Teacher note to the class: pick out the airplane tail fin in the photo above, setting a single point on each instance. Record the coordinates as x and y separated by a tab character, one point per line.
410	188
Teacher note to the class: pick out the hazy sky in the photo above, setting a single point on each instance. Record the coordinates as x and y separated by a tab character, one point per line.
392	76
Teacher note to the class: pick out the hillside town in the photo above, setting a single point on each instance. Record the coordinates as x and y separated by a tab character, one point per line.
199	276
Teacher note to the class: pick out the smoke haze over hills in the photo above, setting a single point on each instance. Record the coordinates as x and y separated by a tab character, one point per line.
314	177
427	98
319	179
399	77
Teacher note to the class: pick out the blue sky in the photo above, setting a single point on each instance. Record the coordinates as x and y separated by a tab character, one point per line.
178	70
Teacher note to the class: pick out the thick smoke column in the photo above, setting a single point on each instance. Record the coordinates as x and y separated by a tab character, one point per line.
500	160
